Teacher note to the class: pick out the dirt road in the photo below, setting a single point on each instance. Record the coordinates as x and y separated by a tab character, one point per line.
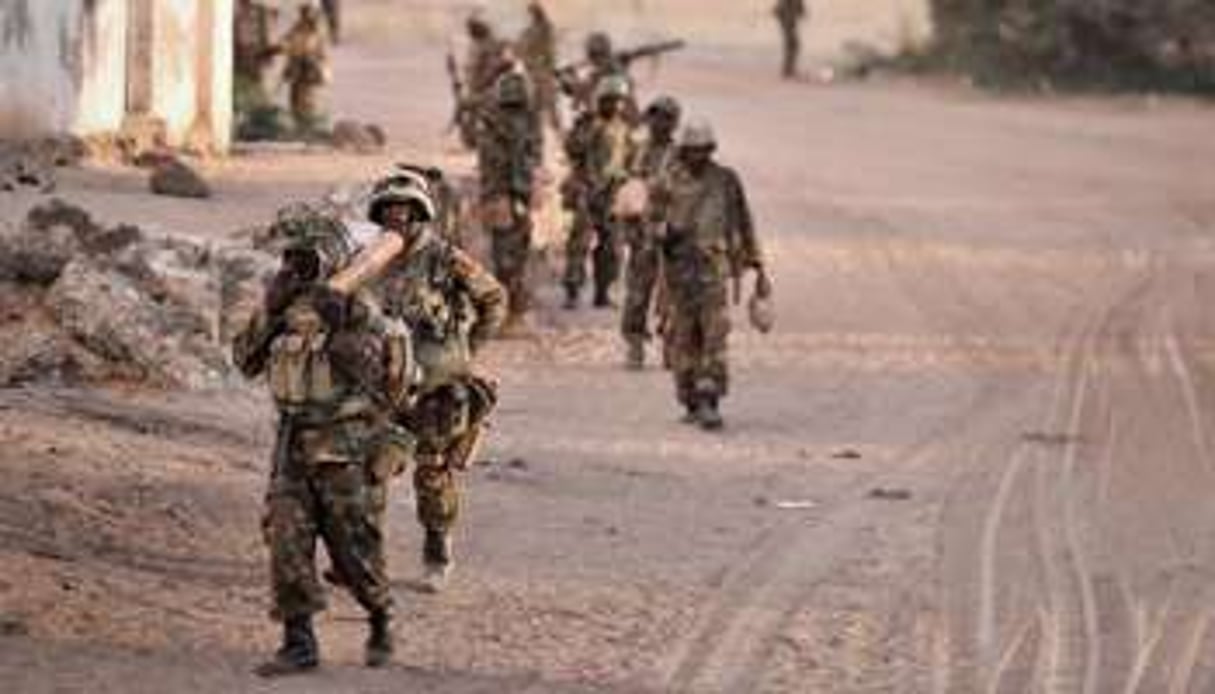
975	456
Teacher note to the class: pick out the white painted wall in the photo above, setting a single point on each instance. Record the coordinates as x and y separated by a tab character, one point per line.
37	87
64	67
101	104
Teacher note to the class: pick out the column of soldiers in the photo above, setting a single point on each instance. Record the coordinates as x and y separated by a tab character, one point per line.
370	357
638	187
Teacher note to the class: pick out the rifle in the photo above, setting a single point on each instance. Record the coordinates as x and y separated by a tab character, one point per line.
627	57
457	90
282	446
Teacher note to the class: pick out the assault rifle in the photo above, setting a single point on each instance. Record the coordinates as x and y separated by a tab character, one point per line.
627	57
463	115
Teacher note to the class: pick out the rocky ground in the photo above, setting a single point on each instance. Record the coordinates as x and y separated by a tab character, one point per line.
974	455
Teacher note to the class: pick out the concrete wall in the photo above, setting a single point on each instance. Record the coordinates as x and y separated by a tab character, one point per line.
38	40
91	65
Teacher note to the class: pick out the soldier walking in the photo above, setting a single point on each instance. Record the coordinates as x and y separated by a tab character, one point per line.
708	240
452	306
601	63
598	148
652	156
337	370
307	69
537	48
488	57
252	50
790	14
509	152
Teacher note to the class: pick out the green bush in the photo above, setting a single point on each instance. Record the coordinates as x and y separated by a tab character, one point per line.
1135	44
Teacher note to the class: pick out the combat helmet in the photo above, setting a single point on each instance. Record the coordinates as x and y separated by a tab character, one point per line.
598	46
666	105
512	89
613	86
697	134
402	186
307	230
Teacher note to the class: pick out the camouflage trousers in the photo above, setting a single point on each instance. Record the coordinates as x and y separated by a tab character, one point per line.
447	429
339	504
641	279
695	339
305	98
510	250
791	43
592	225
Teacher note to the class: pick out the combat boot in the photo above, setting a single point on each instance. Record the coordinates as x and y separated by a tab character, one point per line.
299	652
379	639
437	561
634	358
707	414
571	297
603	297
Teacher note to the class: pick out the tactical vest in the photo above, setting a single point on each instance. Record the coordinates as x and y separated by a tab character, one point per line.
700	210
299	370
423	292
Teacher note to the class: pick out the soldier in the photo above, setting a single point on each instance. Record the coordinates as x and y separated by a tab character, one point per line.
789	14
307	69
488	57
707	240
452	307
537	48
252	49
337	370
651	157
509	151
602	63
598	148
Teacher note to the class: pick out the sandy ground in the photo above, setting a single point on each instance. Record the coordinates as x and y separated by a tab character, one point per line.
975	456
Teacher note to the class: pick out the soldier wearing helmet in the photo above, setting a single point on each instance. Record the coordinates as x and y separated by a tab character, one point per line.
338	371
488	58
707	239
537	49
599	148
508	153
653	153
583	86
452	306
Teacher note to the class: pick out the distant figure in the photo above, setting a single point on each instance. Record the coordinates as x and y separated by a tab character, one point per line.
509	146
252	48
488	57
790	13
333	17
307	69
537	48
581	81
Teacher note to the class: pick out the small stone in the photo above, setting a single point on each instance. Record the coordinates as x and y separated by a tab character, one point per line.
176	179
885	494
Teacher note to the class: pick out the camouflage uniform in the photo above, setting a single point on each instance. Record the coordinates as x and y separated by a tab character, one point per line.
599	150
509	150
307	69
488	57
789	14
452	306
337	369
708	238
252	45
537	48
652	156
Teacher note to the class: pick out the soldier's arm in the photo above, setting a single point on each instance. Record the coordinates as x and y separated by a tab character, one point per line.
251	346
747	248
487	294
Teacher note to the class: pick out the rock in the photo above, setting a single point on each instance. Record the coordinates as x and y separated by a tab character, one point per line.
36	256
108	313
353	136
176	179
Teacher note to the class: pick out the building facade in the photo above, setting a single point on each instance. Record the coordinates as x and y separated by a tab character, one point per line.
109	67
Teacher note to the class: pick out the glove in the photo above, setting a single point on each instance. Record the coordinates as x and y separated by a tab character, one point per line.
763	285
